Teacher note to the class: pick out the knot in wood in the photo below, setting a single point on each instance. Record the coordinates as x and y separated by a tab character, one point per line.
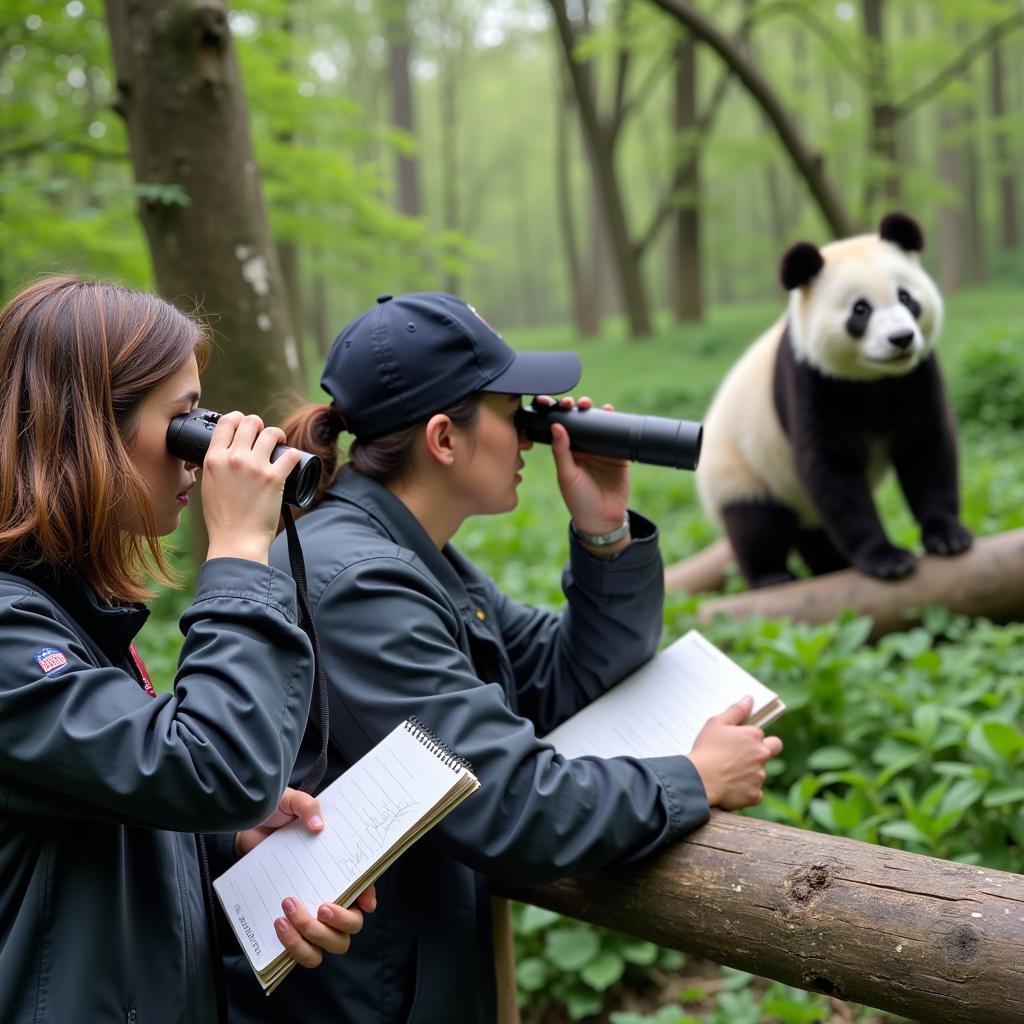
806	883
961	945
817	983
211	21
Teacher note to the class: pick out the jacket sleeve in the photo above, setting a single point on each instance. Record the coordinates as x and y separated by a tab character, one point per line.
611	625
87	742
389	641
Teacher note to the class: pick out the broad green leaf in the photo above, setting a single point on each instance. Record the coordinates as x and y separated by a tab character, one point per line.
830	758
604	971
903	830
1000	796
572	948
532	973
640	952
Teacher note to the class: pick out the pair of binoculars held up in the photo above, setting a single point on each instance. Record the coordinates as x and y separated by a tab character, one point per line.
188	438
654	440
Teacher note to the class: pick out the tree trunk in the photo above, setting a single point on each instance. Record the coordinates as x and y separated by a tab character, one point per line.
216	249
585	311
808	164
448	87
319	325
402	115
1006	177
883	170
950	252
974	241
600	144
934	940
686	288
289	257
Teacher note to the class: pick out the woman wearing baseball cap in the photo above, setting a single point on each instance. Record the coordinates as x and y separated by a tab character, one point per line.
410	627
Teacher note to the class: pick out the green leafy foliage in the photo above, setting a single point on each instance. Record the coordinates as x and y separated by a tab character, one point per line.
574	965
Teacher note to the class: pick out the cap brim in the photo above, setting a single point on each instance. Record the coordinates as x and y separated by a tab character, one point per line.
538	373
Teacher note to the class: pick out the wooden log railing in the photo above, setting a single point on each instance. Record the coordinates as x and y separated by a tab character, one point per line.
936	941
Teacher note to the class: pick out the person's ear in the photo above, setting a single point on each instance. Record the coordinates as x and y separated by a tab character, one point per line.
439	439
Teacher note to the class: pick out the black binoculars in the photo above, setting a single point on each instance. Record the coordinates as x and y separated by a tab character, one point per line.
654	440
188	438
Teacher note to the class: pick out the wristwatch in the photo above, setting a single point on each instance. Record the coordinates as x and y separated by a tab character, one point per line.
600	540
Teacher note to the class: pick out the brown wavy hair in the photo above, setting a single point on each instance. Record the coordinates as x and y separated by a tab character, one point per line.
76	359
316	429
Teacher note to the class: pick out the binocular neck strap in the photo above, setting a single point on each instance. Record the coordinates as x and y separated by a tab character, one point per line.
316	772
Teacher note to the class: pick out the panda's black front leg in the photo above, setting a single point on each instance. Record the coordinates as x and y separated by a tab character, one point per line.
835	472
926	466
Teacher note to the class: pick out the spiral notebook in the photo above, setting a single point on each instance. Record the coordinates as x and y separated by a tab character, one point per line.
372	814
659	709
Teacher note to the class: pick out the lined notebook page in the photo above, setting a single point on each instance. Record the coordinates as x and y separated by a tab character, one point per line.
659	709
366	811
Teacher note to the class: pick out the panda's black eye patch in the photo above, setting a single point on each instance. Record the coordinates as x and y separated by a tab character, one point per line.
910	302
857	321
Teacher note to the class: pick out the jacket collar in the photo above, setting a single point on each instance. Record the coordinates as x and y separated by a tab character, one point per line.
401	526
112	627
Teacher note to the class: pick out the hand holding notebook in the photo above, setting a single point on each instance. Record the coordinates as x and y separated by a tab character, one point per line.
659	709
372	813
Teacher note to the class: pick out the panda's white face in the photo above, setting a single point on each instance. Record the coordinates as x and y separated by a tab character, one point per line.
871	312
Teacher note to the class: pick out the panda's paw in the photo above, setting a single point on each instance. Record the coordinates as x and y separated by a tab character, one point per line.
946	538
885	561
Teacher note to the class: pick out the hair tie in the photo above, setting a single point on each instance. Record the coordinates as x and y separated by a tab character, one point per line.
335	420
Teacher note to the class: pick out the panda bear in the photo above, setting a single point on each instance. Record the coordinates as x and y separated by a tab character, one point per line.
808	421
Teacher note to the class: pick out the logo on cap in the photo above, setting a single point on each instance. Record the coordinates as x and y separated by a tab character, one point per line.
49	659
482	320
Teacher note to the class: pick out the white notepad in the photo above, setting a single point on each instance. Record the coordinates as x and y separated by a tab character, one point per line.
659	709
372	813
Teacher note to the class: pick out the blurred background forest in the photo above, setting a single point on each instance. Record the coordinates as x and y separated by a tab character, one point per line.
425	143
618	176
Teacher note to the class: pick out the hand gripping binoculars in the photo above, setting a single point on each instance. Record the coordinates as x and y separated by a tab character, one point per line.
654	440
188	438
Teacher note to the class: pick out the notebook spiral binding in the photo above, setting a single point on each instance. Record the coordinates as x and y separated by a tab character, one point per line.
434	745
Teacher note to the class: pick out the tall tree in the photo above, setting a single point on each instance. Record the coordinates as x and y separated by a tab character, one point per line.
582	285
883	167
600	133
1005	169
215	248
686	287
396	13
808	164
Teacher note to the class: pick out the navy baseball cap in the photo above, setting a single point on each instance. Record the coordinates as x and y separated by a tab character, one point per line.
410	356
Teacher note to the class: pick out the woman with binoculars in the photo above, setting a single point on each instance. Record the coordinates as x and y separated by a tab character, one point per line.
103	911
410	627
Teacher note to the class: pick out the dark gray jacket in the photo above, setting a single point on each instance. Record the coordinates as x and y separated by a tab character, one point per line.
101	910
409	630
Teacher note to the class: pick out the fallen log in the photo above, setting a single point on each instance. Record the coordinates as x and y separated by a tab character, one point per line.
986	581
933	940
701	572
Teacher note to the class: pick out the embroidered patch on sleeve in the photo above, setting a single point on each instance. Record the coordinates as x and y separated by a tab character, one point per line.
49	659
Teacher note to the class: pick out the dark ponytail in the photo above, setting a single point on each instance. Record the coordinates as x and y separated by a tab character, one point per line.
315	429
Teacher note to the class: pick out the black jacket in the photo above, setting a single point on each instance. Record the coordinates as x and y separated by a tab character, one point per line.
410	630
102	786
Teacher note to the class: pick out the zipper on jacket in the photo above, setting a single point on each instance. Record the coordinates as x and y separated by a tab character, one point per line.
186	923
132	1016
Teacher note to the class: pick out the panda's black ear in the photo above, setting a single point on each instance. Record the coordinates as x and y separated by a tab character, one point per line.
903	231
800	264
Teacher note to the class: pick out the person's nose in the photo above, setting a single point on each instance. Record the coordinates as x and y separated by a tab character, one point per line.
525	444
